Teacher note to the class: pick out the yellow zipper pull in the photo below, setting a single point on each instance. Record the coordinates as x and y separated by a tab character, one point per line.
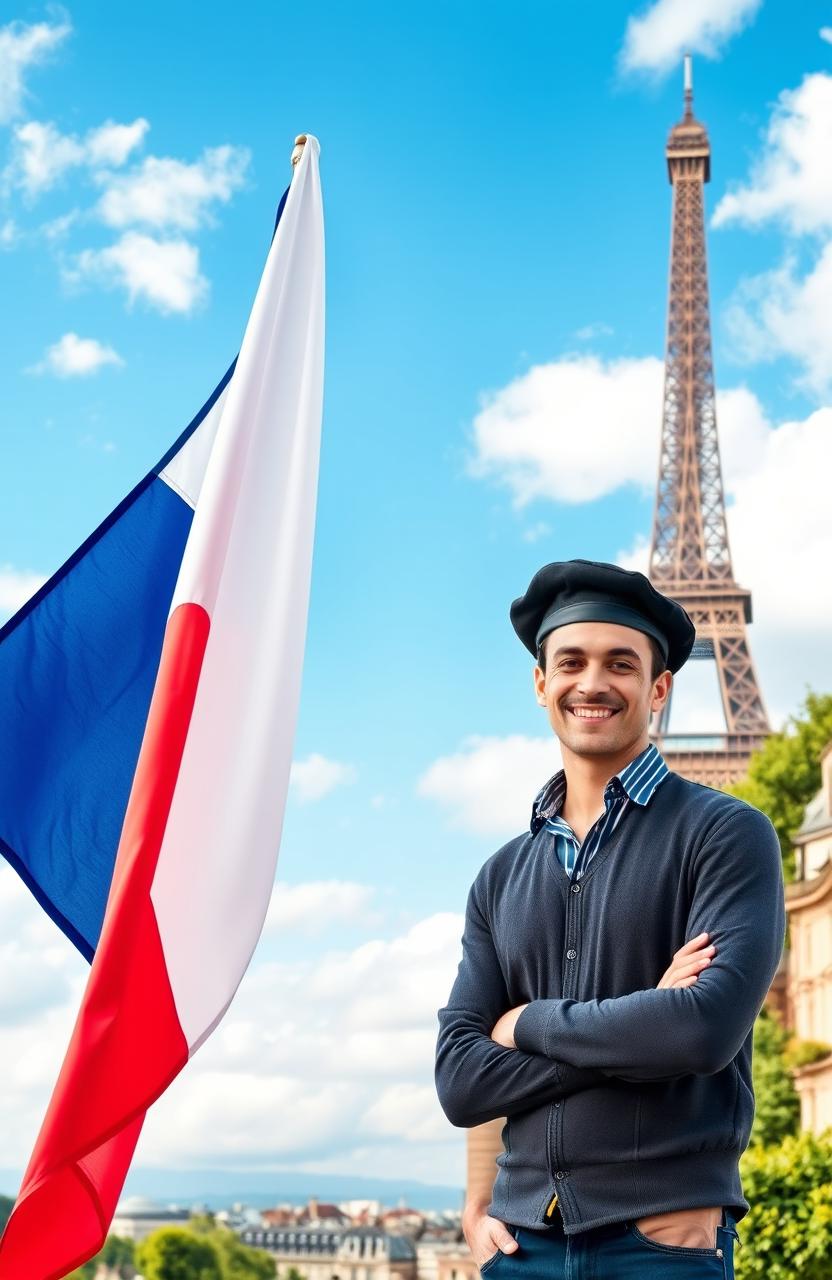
551	1208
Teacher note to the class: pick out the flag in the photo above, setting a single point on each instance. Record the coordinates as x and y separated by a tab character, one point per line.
149	697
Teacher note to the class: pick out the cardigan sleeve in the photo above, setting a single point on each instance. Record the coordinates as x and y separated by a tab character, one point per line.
476	1078
738	898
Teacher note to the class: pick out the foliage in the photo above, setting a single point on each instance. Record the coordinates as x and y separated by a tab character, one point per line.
240	1262
175	1253
800	1053
86	1271
788	1229
117	1255
224	1256
6	1206
784	775
202	1223
777	1104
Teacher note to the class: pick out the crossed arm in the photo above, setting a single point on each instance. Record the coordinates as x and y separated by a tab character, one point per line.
656	1034
478	1079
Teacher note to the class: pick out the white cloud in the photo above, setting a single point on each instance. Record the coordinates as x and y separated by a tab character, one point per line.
163	192
314	1061
489	784
536	531
595	330
73	357
8	234
38	969
791	181
24	45
41	154
744	433
578	430
165	273
16	586
782	312
110	144
636	556
316	776
314	906
656	39
57	228
43	980
572	430
342	1063
405	1109
825	33
779	529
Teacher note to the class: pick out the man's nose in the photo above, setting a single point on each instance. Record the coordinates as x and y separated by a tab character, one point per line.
594	679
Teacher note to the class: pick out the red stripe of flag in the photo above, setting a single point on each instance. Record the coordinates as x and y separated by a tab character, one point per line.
127	1044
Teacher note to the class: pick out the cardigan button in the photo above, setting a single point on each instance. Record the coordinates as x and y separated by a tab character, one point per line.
571	953
576	888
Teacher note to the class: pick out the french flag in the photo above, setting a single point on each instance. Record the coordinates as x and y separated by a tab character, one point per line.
148	699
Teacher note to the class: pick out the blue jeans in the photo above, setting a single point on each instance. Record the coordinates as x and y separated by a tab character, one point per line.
615	1252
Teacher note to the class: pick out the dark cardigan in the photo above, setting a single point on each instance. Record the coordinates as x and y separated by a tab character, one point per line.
622	1099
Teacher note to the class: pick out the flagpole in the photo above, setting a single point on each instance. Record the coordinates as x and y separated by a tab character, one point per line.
300	143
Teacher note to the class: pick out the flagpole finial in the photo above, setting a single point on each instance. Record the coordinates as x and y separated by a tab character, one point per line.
300	143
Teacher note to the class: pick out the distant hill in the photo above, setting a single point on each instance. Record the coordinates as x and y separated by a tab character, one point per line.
216	1188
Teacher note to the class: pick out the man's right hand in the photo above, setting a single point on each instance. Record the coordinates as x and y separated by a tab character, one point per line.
485	1235
688	963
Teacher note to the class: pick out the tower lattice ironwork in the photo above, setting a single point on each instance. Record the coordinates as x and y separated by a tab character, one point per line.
690	559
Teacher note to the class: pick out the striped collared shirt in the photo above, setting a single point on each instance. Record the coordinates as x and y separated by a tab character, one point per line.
635	784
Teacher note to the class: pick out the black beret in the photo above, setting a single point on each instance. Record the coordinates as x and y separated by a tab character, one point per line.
592	591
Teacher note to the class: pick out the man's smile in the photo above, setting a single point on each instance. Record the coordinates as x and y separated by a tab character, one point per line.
593	713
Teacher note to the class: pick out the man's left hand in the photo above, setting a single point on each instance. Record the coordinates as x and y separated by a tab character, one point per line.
503	1031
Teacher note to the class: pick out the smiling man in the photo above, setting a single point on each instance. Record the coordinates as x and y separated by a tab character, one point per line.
588	1013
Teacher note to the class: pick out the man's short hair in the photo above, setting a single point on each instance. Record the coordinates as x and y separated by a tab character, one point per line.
657	664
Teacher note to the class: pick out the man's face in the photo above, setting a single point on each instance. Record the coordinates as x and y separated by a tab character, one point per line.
597	687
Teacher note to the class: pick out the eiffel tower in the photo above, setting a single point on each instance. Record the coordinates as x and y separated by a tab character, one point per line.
690	558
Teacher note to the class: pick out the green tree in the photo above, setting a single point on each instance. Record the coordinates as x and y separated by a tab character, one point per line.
777	1104
239	1261
784	774
6	1206
202	1223
117	1254
175	1253
788	1230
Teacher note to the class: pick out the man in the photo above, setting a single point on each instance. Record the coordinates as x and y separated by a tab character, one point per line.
614	959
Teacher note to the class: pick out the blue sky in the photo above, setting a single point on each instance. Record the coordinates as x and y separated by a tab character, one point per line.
497	224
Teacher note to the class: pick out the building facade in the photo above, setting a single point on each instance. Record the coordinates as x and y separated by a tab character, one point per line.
366	1253
809	982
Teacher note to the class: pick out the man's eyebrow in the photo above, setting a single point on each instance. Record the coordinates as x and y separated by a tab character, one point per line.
610	653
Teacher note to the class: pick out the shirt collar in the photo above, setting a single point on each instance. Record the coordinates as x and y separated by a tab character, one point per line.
638	780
